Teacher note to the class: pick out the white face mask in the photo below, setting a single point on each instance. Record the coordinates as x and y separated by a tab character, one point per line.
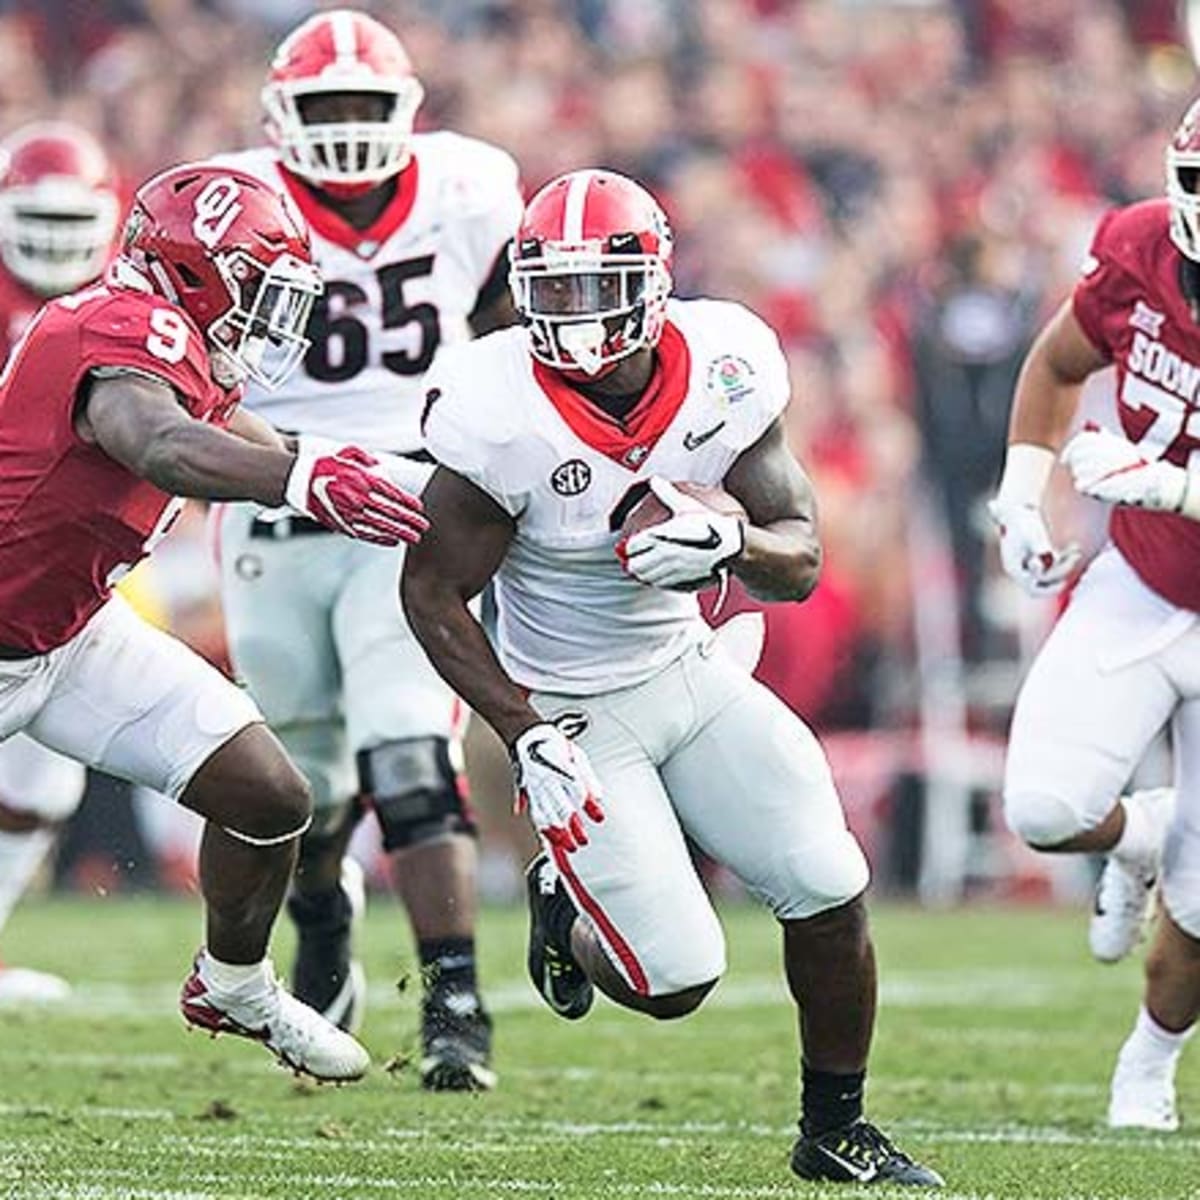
260	337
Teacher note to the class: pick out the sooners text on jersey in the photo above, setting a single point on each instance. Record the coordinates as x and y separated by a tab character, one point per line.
570	619
1130	304
72	519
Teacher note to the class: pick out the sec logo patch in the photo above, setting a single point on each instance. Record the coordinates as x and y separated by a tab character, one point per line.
571	478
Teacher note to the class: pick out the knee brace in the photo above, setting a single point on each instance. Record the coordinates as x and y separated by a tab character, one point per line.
1040	820
414	791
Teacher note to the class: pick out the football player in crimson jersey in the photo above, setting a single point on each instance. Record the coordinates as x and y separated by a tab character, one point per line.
409	230
58	219
118	401
629	724
1123	662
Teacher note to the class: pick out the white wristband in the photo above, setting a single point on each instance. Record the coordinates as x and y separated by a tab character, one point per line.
1026	472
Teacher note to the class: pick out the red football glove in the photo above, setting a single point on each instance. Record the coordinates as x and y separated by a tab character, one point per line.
349	491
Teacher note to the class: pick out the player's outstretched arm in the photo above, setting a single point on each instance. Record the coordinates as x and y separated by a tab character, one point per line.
1057	365
781	558
139	422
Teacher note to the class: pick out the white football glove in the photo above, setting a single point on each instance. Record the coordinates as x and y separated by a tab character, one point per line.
1028	555
556	784
349	491
1109	467
689	548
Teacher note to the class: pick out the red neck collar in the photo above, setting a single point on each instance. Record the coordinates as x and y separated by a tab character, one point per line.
332	226
628	441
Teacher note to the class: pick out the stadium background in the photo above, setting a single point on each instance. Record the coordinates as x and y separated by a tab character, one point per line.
903	189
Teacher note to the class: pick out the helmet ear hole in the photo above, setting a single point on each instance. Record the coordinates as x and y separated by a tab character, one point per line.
189	277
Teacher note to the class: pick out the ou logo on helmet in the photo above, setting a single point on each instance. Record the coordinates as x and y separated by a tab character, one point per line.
217	208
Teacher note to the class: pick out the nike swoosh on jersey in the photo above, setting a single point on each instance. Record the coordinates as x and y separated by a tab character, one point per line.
693	440
711	542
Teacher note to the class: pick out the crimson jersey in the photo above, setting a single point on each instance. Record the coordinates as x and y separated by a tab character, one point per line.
72	519
17	306
1130	304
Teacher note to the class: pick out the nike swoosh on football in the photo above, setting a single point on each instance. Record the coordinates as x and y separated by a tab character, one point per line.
693	441
542	761
709	543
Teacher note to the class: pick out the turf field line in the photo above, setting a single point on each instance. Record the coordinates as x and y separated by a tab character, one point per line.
980	988
311	1185
258	1065
534	1133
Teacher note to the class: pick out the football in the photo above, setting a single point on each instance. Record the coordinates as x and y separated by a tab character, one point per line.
649	510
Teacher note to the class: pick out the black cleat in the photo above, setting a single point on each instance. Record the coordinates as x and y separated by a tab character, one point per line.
558	978
324	976
456	1033
860	1154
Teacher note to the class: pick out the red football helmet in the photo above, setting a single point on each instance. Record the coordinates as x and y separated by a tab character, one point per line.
342	52
1183	183
58	207
591	271
234	254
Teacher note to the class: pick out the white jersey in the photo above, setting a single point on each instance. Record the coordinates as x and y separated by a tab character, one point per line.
570	619
395	293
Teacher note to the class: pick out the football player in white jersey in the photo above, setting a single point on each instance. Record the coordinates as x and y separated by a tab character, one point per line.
629	724
410	232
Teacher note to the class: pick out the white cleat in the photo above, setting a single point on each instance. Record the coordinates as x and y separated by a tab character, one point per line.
1143	1097
1125	895
20	986
297	1035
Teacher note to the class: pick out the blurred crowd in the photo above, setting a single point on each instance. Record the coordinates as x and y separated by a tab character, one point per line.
903	189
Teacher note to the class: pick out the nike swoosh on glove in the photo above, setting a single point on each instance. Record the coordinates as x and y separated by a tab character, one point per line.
1110	467
1026	551
556	785
688	548
348	490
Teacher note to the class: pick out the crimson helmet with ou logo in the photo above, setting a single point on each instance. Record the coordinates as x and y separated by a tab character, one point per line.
234	254
591	271
1183	183
342	52
58	207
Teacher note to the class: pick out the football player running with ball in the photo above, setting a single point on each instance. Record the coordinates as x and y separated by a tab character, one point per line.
59	212
118	401
1123	662
409	231
629	724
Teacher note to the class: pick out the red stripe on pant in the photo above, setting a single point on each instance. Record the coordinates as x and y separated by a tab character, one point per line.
607	930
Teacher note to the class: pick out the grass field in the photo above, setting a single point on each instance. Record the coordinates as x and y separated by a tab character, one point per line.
994	1045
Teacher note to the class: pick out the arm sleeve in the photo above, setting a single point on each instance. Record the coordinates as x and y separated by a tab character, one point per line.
1103	284
494	216
773	387
149	338
459	439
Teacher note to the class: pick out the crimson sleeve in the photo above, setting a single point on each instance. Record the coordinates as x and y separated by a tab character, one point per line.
1105	288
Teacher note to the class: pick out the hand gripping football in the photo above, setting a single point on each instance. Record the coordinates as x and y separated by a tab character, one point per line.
641	511
650	510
